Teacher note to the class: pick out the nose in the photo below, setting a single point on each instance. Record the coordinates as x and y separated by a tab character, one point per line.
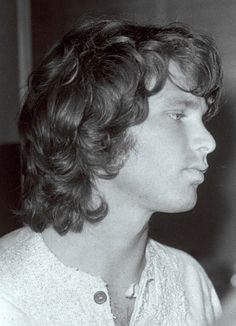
205	142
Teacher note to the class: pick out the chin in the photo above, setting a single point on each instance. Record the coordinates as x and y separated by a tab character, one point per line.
185	208
188	206
182	205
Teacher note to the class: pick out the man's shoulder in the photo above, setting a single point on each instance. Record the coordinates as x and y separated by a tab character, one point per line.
181	260
16	251
11	241
182	270
171	252
21	262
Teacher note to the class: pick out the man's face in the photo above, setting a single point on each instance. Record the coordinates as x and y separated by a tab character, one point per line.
163	171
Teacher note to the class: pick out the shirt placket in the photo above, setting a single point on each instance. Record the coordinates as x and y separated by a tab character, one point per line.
145	295
100	305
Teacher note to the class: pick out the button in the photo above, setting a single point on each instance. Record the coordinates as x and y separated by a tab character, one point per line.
100	297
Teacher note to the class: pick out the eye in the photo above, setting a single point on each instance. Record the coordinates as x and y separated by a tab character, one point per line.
176	115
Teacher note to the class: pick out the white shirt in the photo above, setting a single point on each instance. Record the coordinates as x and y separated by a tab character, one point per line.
36	289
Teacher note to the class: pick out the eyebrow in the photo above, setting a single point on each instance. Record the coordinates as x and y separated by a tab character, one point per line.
187	102
177	100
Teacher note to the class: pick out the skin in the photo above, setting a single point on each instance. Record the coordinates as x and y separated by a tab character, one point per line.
162	174
170	157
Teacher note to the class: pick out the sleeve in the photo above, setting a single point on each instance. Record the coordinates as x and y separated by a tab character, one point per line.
10	315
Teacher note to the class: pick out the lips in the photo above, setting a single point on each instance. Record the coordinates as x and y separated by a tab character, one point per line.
201	168
197	173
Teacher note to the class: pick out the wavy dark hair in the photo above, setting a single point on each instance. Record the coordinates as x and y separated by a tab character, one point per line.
89	89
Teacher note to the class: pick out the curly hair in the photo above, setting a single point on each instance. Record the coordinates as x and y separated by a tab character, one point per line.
89	89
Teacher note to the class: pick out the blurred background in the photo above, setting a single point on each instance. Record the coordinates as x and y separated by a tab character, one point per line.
29	28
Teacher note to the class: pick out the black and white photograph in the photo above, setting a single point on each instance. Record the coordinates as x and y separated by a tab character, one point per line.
117	163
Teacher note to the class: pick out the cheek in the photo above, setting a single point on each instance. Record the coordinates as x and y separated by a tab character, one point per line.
168	134
164	150
160	149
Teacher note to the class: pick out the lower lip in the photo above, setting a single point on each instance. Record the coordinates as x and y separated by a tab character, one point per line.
197	176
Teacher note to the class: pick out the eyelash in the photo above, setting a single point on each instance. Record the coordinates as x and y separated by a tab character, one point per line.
176	116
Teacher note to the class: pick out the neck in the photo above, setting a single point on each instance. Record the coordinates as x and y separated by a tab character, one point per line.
114	247
108	249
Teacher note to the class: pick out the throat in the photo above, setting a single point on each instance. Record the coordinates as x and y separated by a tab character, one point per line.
123	313
121	307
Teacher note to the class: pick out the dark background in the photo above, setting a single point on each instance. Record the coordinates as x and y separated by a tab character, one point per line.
208	231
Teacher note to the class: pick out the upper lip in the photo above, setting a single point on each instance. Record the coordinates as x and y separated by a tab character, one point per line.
201	168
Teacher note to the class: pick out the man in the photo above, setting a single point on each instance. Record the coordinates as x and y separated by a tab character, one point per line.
112	130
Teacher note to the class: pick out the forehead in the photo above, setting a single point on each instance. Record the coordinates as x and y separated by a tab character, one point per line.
175	92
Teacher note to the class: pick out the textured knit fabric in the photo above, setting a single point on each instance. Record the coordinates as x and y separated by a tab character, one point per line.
37	289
